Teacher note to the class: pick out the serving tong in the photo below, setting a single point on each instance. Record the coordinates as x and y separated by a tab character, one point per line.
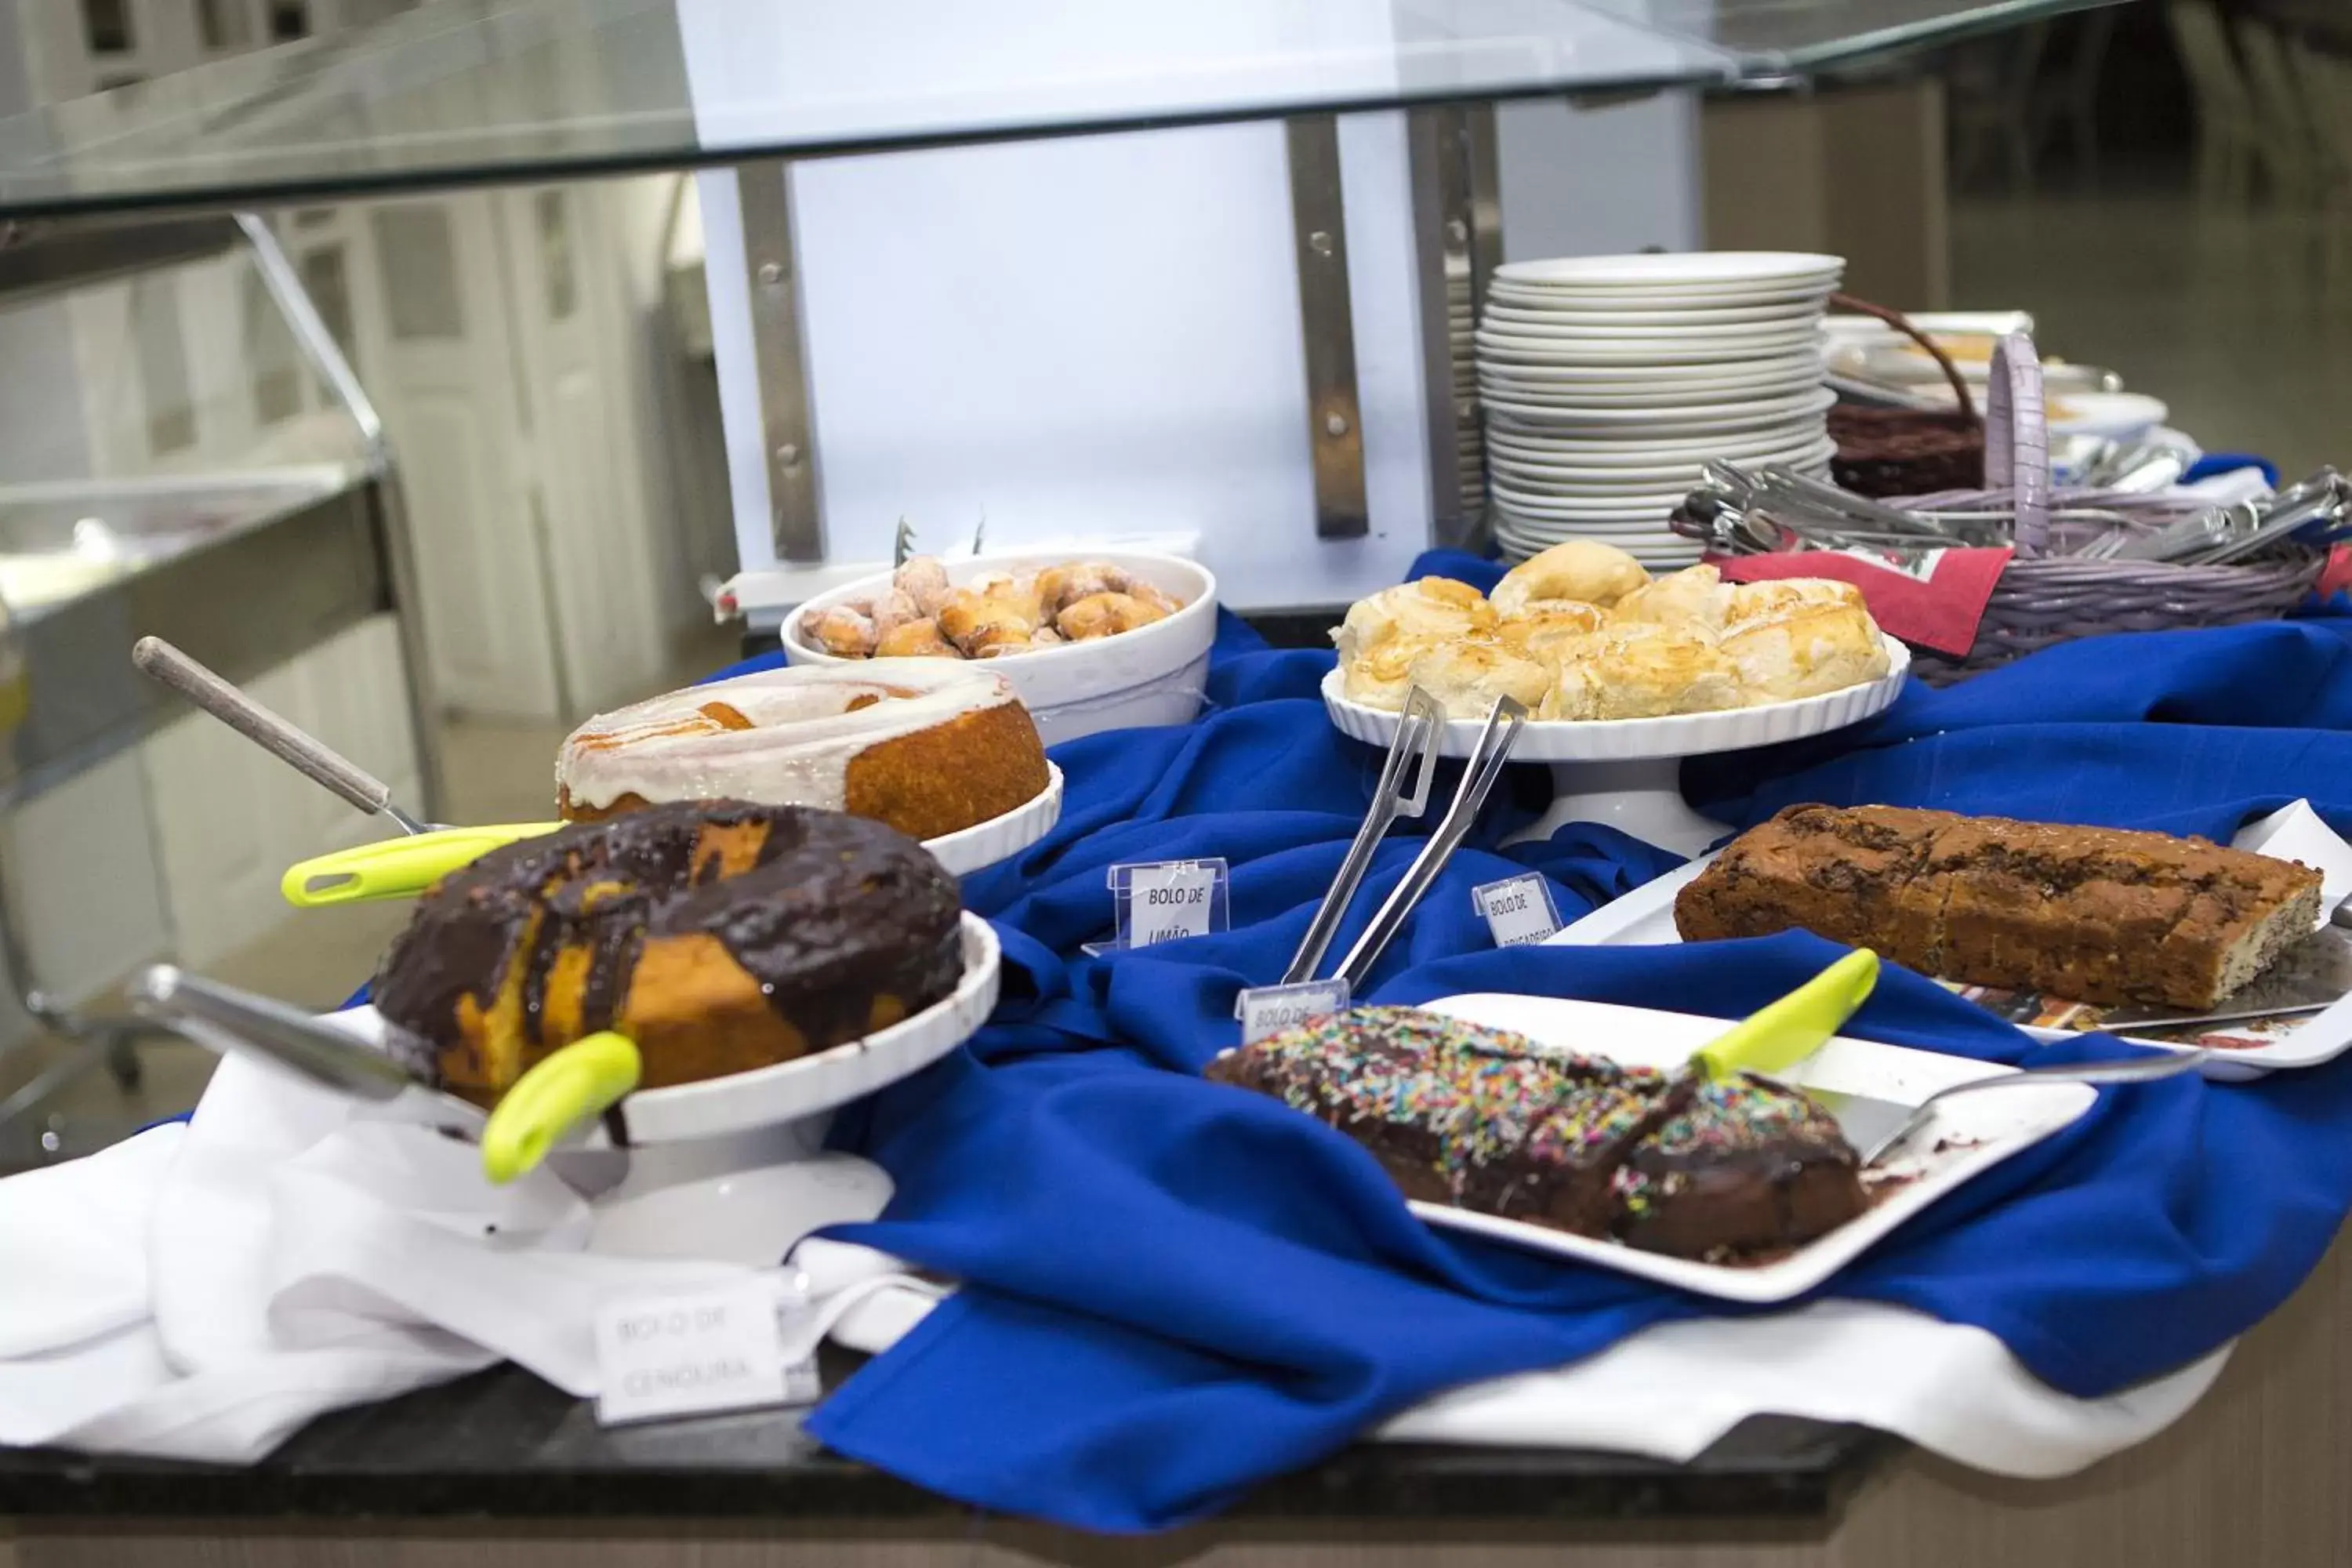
1420	729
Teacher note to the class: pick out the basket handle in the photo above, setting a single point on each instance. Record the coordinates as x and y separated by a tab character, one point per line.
1901	323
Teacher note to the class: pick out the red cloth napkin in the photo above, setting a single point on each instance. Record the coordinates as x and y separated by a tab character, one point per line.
1933	600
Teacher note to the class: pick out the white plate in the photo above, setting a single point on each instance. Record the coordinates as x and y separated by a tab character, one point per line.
1493	341
1655	401
1702	419
1700	315
1545	325
985	844
1597	458
1697	268
1811	301
1765	378
1641	475
1629	374
1620	740
1648	511
1981	1130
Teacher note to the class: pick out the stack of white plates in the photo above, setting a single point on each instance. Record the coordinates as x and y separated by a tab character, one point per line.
1470	443
1609	381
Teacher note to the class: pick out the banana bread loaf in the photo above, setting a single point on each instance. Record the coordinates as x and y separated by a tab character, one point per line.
2088	914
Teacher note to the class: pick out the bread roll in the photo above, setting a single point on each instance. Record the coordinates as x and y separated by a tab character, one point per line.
1755	600
1432	607
1546	623
1806	651
1584	570
1642	671
1466	677
1694	594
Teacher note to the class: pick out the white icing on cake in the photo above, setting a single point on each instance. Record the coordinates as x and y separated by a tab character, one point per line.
800	745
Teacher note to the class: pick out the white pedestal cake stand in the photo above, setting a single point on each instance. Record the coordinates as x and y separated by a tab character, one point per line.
1627	773
734	1169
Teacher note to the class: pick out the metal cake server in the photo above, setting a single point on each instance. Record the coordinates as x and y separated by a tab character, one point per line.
288	743
228	1021
1874	1127
1777	1037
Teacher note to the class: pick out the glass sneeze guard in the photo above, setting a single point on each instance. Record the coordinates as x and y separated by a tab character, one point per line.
503	90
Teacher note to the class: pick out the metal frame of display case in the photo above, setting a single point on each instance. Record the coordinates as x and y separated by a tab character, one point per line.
324	562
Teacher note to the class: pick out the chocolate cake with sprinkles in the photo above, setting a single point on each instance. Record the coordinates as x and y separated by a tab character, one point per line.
1486	1120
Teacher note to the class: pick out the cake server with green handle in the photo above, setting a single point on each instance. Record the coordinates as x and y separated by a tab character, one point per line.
1777	1037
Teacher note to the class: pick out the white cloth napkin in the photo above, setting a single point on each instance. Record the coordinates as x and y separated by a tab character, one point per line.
201	1291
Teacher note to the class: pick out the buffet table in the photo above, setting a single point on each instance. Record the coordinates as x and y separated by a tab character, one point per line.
1136	1349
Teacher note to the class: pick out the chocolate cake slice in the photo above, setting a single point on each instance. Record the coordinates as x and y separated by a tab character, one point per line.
1486	1120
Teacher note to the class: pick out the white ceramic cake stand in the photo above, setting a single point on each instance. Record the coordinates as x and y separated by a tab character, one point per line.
1627	773
985	844
734	1169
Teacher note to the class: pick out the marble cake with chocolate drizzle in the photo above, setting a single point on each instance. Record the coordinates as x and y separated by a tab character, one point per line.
720	937
1486	1120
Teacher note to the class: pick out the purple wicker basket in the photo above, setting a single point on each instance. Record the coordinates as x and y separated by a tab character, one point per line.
2045	597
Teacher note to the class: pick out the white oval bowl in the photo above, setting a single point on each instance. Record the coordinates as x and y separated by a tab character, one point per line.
1152	675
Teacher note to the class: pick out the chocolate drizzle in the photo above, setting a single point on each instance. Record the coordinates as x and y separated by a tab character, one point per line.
833	919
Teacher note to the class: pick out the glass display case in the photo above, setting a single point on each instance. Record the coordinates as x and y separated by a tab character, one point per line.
237	495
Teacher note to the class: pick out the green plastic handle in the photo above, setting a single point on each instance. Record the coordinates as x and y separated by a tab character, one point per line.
581	1080
1780	1036
397	868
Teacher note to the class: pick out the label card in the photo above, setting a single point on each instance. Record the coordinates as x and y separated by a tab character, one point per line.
1164	901
693	1353
1267	1009
1518	909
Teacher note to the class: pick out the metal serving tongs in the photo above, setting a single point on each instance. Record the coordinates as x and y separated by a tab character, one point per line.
548	1115
1419	731
398	867
2313	509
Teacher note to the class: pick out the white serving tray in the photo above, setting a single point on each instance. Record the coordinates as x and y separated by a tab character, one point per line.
1981	1131
1645	917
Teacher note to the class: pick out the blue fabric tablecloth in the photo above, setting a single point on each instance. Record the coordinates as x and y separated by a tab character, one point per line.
1174	1289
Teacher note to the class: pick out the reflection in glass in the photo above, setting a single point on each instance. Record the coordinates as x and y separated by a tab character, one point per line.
555	254
325	279
419	256
106	24
223	24
162	365
271	350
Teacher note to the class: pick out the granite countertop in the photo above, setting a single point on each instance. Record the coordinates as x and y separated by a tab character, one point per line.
503	1444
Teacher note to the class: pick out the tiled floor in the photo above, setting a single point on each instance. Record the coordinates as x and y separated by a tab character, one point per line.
2230	318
